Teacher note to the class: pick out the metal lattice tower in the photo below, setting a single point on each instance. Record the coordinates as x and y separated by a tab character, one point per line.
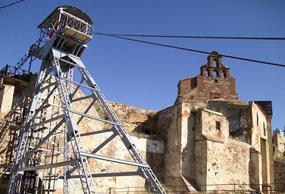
50	137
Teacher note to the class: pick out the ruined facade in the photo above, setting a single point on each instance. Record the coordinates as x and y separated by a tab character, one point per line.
220	142
279	146
208	140
279	160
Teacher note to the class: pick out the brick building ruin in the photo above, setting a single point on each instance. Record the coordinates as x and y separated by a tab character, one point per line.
208	140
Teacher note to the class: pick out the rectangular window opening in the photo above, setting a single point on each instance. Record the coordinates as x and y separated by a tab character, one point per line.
218	125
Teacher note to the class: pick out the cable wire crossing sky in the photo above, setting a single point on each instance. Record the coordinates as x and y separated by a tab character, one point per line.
246	33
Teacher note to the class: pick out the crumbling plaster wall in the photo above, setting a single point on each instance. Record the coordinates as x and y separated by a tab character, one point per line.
259	126
238	116
167	124
227	159
261	142
200	153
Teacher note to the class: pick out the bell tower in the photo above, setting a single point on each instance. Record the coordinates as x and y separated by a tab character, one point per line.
213	83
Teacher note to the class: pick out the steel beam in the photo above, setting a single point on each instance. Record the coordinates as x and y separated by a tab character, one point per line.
99	147
47	121
82	98
114	160
86	111
68	62
48	86
110	174
47	166
30	153
96	132
79	84
93	117
43	103
76	89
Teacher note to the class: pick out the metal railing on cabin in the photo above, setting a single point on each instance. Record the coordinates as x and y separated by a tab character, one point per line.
71	21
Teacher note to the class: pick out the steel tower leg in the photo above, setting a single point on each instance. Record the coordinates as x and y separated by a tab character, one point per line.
64	124
35	107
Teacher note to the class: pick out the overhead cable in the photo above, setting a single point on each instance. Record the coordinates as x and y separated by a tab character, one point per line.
11	4
196	37
192	50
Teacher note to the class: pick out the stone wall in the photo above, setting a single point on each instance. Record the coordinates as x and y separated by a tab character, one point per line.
201	152
261	140
279	146
279	175
279	161
167	123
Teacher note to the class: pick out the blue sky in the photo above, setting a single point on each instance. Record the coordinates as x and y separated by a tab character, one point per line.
147	76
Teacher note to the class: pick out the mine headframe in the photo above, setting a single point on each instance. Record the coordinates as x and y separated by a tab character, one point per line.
73	28
50	136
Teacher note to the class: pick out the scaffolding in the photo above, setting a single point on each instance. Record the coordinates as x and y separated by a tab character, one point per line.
51	146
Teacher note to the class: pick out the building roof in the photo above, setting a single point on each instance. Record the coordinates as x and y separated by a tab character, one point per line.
70	9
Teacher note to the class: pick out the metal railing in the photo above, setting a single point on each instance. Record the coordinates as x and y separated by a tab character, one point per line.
12	71
71	21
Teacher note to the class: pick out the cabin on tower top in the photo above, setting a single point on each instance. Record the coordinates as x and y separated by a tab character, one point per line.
213	83
71	22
